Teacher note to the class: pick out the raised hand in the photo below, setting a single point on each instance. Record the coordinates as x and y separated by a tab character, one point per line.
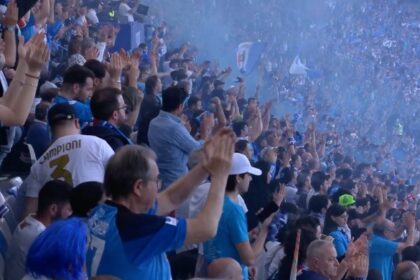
133	71
218	153
36	53
279	195
12	14
359	266
115	67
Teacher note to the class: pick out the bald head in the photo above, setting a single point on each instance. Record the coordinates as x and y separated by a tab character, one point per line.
407	270
321	257
382	226
317	248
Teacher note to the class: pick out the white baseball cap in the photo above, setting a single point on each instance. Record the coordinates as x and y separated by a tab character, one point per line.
241	165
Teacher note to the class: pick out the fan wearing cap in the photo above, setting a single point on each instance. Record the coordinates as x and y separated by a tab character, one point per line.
231	240
72	157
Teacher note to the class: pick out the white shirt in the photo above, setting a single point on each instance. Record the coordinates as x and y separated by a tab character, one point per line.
74	158
125	13
25	233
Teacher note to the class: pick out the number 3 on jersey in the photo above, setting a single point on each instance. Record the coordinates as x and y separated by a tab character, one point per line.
60	171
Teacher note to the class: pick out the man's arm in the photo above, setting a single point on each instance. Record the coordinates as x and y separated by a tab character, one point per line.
248	252
410	222
10	21
180	190
218	157
17	102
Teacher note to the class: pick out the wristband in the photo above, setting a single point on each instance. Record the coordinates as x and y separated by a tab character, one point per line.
11	28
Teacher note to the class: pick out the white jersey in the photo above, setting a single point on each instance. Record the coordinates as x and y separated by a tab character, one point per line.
74	159
25	233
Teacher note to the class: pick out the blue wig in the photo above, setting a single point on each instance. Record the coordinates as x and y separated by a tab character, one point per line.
60	251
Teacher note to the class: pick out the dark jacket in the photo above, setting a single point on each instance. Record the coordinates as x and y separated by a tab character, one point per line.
111	136
149	110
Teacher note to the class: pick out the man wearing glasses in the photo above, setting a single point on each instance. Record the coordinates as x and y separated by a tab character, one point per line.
130	234
382	247
108	109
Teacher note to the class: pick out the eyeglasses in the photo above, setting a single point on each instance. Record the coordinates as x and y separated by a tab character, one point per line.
158	181
122	108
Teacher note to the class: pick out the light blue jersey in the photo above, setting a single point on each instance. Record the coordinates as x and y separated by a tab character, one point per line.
131	246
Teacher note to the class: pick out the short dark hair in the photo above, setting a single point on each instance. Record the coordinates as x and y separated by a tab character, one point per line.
317	203
129	164
192	101
238	126
97	67
75	45
318	178
53	192
104	102
231	182
41	110
241	146
77	74
308	223
172	98
84	197
150	84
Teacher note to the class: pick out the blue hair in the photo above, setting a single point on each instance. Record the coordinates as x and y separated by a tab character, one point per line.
60	251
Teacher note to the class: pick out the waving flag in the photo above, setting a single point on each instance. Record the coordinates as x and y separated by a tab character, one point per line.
248	55
298	68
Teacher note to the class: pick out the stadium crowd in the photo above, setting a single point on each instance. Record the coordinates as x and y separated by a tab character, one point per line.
150	164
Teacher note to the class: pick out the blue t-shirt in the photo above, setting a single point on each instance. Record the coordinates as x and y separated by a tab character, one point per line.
341	242
83	112
381	252
131	246
29	30
232	230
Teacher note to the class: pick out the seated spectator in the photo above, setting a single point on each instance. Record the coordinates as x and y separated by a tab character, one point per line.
336	226
59	252
407	270
136	225
77	88
86	196
108	109
38	134
72	157
53	204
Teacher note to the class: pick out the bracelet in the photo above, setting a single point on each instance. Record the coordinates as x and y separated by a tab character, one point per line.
32	76
11	28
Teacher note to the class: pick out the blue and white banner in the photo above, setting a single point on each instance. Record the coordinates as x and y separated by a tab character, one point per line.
248	55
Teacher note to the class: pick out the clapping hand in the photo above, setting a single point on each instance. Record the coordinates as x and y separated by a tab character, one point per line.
218	153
